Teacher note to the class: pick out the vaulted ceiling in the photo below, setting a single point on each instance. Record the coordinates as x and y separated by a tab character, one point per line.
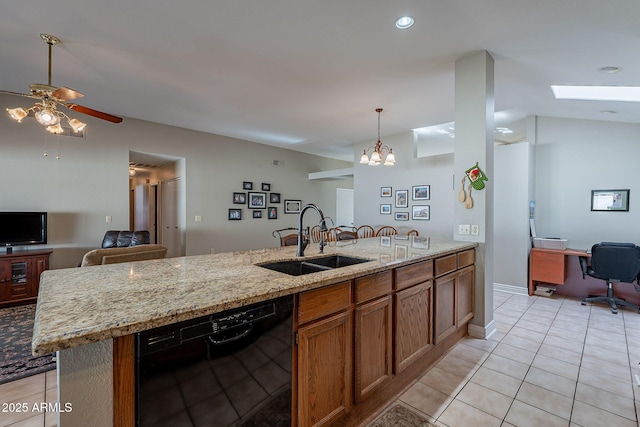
308	74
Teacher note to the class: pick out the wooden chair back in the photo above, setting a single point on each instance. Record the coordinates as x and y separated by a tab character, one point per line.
365	231
386	230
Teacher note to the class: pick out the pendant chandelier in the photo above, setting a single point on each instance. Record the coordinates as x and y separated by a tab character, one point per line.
379	153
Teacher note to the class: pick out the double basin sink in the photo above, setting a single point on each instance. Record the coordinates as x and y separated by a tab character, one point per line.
313	265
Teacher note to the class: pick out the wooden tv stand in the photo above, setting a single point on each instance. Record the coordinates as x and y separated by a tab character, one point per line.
20	276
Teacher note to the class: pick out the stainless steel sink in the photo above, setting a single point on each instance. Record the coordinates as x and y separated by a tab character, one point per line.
313	265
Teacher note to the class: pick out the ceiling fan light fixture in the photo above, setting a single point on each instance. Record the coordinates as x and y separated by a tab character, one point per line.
47	117
17	114
56	129
77	125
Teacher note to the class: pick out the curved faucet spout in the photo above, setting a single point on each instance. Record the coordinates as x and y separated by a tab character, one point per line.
304	240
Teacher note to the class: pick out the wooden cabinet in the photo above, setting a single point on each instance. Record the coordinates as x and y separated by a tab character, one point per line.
413	310
454	293
362	341
20	276
324	353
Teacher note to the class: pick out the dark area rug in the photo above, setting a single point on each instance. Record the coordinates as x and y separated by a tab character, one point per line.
276	414
399	416
16	329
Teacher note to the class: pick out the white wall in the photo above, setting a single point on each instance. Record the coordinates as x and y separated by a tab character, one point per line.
436	171
574	157
91	181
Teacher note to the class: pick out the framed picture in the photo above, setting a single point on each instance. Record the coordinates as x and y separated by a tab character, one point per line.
266	187
257	214
420	192
274	198
420	212
235	214
385	191
292	206
239	198
246	185
610	200
402	216
402	198
272	212
257	200
385	209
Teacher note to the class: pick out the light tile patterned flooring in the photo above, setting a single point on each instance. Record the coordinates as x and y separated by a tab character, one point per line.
552	362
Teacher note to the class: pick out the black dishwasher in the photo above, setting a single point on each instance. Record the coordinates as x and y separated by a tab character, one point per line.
224	369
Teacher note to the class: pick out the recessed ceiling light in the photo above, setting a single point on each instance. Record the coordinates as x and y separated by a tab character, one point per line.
404	22
598	93
610	69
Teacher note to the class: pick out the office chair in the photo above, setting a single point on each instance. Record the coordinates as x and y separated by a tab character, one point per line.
614	263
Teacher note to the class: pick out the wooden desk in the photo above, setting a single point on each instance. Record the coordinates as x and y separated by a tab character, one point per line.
550	265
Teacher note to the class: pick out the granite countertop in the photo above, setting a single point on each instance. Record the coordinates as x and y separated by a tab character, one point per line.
77	306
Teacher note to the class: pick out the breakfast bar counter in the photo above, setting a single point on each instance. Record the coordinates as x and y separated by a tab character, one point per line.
88	306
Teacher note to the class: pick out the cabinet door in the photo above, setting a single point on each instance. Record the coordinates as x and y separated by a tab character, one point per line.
372	346
445	312
465	281
39	265
413	327
18	280
324	370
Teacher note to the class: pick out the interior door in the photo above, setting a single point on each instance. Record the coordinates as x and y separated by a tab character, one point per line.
344	206
170	225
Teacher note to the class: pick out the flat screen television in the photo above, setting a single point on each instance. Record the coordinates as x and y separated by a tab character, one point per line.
23	228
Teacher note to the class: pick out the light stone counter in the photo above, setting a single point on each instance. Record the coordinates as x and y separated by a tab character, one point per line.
78	306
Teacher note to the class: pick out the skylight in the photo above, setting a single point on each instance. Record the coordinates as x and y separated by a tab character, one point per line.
597	93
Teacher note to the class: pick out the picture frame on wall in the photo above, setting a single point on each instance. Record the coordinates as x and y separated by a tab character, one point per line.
402	216
274	198
257	214
266	187
610	200
272	212
402	198
421	212
235	214
420	192
292	206
257	200
239	198
385	192
246	185
385	209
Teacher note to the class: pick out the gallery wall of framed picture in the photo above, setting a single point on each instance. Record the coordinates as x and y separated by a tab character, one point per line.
260	199
404	205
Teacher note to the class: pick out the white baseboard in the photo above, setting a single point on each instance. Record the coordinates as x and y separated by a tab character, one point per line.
482	332
519	290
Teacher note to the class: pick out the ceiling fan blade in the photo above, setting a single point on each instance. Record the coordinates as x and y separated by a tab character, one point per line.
17	93
94	113
66	94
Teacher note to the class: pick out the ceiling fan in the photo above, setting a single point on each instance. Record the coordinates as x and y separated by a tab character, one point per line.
50	97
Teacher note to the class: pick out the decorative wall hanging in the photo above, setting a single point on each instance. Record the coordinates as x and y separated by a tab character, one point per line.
274	198
292	206
385	209
239	198
468	203
402	216
422	212
257	200
266	187
246	185
235	214
273	213
477	177
610	200
402	198
385	191
421	192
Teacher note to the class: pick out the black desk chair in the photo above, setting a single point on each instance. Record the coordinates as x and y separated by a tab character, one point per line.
614	263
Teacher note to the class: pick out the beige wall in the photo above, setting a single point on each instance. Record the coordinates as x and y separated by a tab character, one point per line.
91	181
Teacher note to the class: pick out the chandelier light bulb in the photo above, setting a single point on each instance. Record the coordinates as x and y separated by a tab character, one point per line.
56	129
77	125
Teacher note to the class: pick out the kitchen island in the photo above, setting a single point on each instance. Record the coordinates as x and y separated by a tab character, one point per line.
96	310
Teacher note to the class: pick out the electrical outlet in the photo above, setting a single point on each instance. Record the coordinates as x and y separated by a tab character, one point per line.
198	218
463	229
475	230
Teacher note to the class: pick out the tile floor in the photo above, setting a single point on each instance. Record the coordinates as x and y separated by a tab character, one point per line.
552	362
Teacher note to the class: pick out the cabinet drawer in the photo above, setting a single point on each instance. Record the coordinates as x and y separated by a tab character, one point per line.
322	302
548	266
466	258
446	264
413	274
373	286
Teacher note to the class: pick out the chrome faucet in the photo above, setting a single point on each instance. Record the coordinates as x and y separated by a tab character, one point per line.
303	238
